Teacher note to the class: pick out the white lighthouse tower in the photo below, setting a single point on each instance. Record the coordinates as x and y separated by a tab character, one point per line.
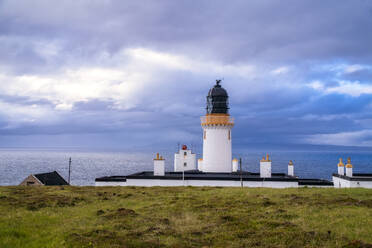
217	125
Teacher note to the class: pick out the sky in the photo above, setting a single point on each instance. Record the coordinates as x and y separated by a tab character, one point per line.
135	74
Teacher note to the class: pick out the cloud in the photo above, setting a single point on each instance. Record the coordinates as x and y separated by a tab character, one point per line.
357	138
355	68
280	70
354	89
140	71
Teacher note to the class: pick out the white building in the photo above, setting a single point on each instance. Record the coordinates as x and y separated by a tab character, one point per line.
351	180
216	168
198	178
184	160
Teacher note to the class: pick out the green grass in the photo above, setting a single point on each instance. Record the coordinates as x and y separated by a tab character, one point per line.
184	217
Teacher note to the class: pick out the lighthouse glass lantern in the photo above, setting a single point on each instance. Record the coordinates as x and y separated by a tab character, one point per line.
217	100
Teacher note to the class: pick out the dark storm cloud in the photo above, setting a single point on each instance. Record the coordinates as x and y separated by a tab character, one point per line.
363	76
238	31
339	104
22	100
292	43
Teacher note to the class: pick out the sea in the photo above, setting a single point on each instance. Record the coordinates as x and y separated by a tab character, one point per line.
17	163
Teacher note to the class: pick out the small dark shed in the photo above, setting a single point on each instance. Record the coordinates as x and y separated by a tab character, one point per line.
47	179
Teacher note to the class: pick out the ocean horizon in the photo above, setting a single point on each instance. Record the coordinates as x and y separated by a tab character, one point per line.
87	164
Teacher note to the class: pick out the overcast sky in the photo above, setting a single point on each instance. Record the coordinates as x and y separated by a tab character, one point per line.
134	74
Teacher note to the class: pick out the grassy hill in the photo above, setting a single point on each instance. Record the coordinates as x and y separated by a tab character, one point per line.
184	217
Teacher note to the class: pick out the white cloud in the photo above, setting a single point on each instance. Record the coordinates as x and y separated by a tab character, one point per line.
280	70
311	117
122	78
354	68
357	138
341	69
71	86
316	85
354	88
193	65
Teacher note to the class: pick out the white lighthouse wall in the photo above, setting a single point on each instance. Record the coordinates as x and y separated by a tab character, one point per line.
217	149
184	160
265	169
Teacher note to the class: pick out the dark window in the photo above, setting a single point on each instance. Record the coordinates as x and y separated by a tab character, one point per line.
30	183
185	164
185	153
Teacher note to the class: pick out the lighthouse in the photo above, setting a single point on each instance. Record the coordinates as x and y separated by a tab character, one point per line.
217	125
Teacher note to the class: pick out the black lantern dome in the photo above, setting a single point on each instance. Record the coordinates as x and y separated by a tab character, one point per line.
217	100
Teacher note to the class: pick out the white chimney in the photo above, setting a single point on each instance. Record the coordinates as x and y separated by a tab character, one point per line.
235	165
290	169
200	164
341	168
159	165
265	167
349	168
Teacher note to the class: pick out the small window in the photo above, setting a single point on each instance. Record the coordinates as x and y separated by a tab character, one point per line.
185	164
229	135
185	153
30	183
205	134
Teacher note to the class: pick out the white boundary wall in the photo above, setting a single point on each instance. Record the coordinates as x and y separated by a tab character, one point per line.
200	183
111	184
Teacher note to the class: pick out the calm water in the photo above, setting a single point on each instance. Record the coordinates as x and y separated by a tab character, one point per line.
17	164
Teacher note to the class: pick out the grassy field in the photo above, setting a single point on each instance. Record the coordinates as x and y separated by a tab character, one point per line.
184	217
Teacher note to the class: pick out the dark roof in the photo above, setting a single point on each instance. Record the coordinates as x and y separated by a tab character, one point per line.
217	90
111	179
356	177
198	175
51	178
314	182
